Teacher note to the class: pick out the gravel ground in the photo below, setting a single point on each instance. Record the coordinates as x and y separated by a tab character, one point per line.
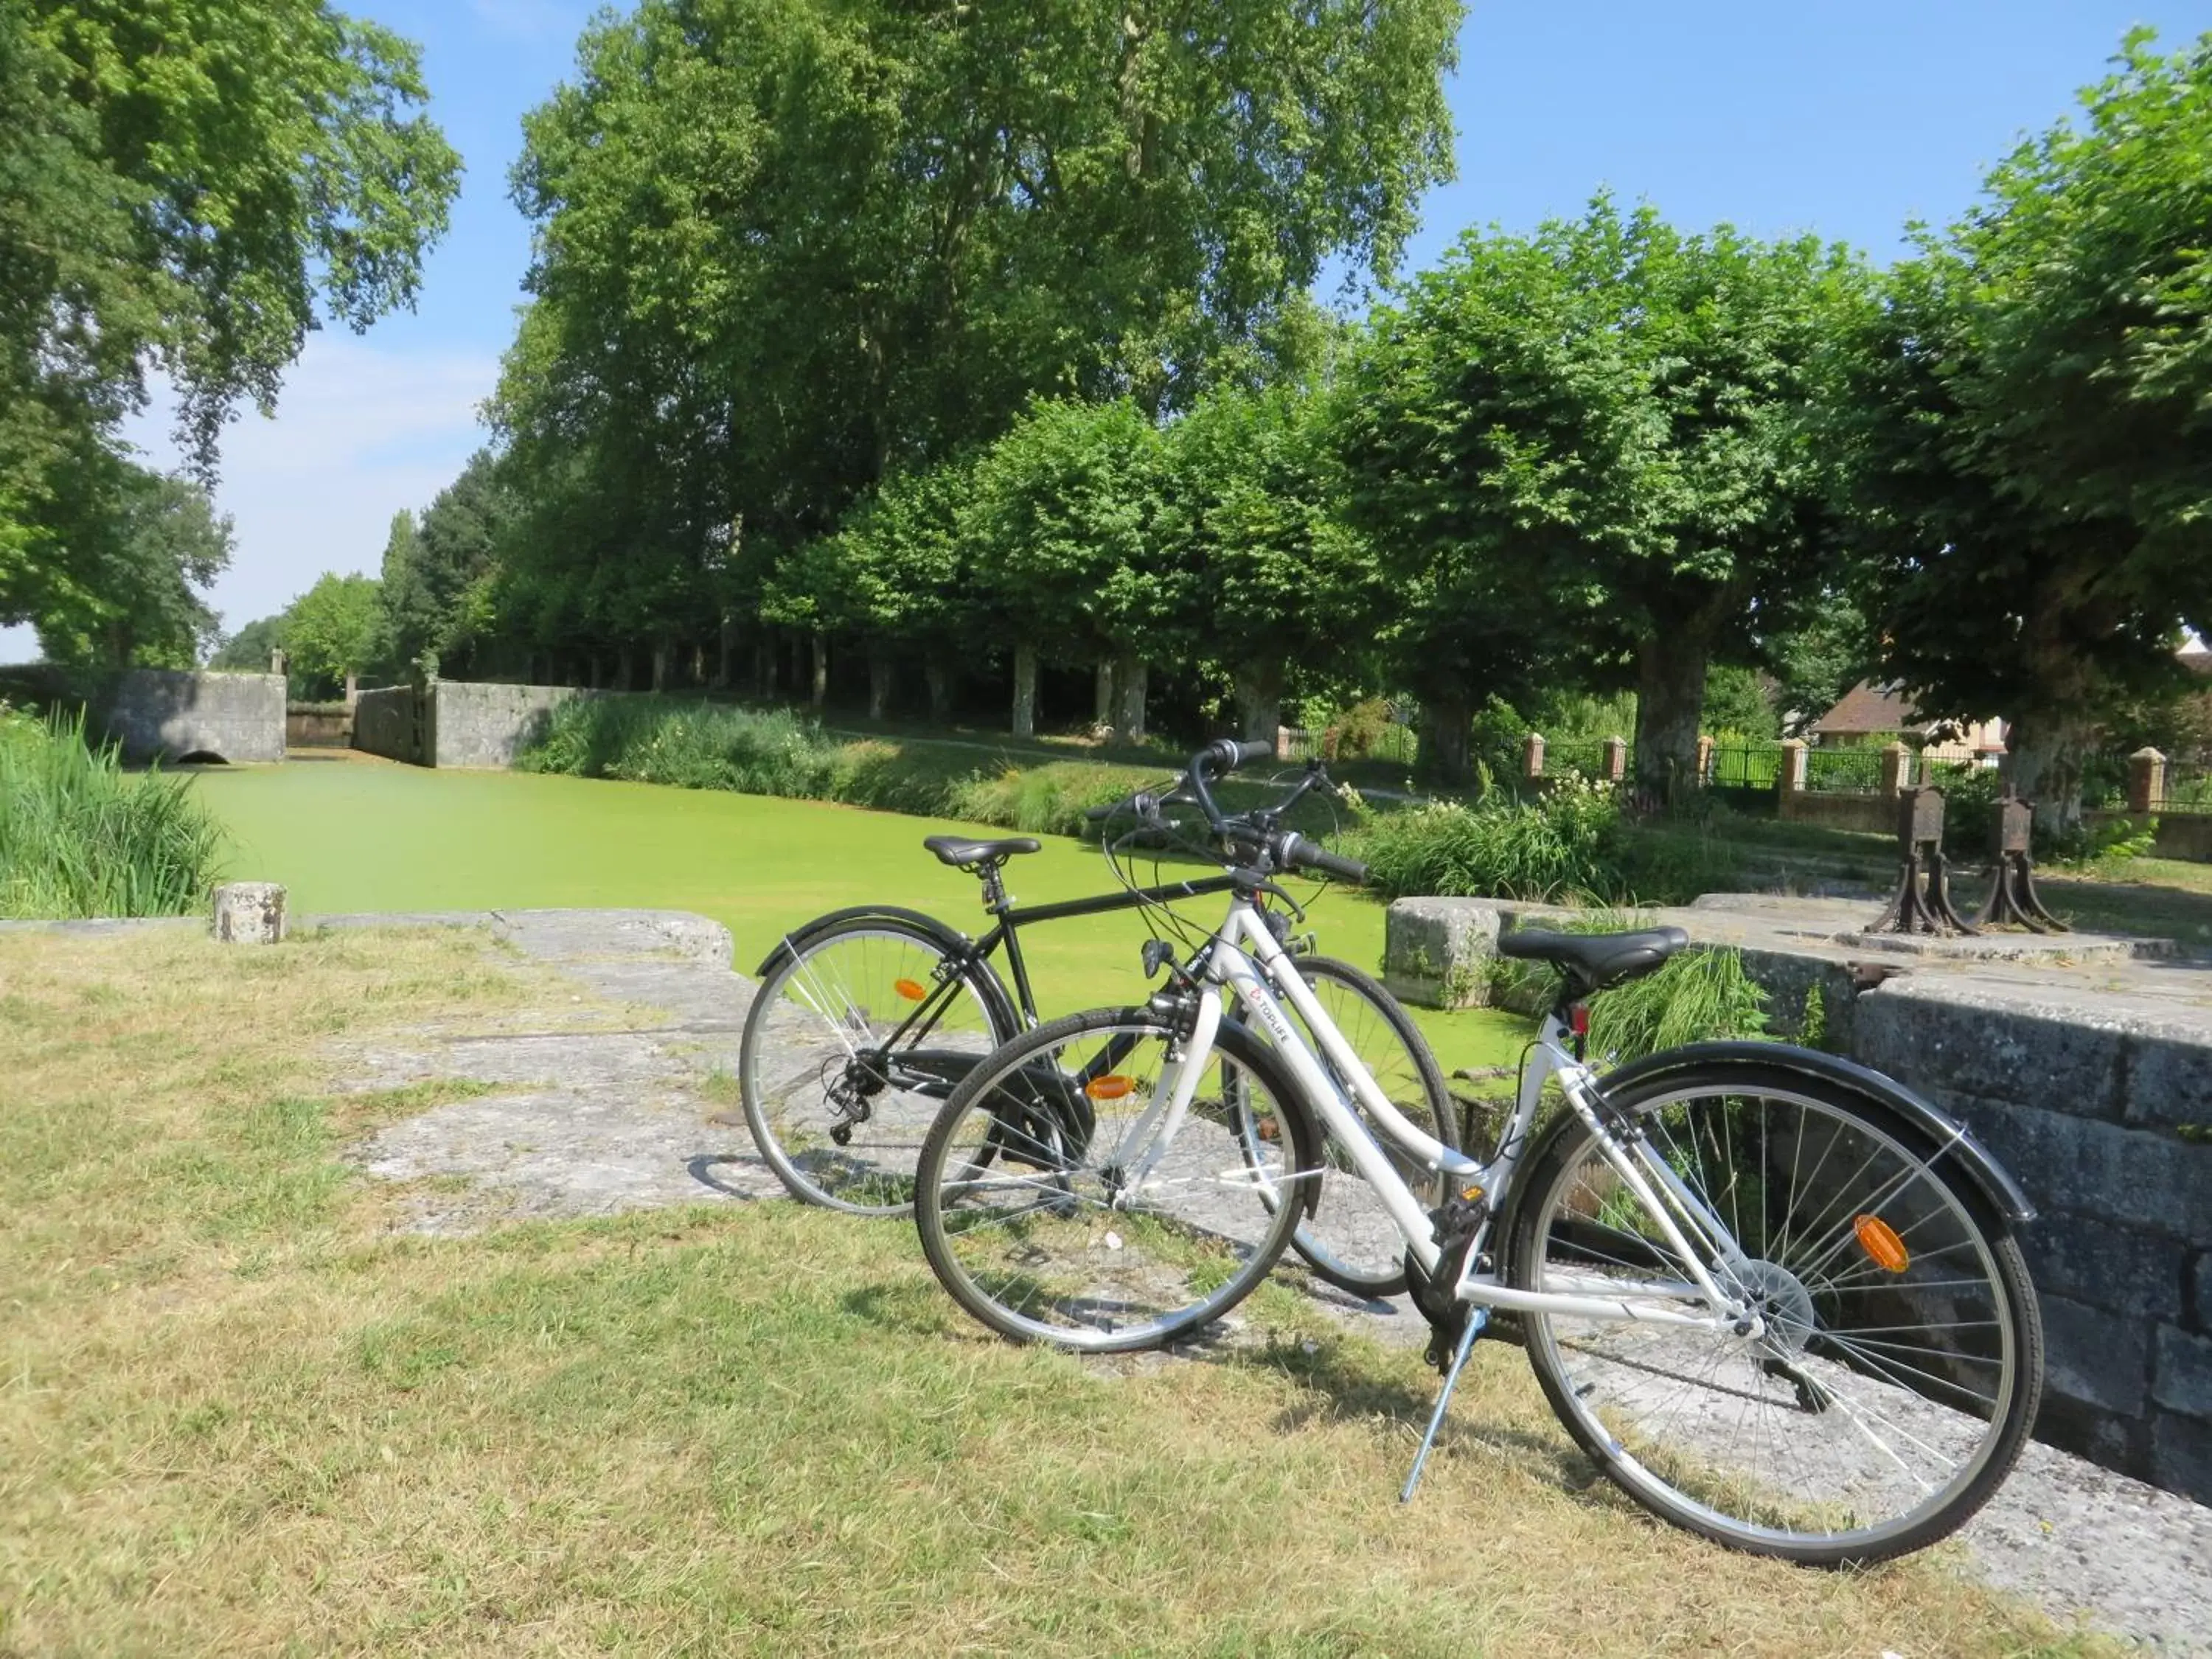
587	1117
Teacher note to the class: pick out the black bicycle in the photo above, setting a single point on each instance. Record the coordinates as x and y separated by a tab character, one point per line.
867	1018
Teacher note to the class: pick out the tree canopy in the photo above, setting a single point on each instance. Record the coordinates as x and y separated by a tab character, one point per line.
2031	426
181	185
786	250
1597	437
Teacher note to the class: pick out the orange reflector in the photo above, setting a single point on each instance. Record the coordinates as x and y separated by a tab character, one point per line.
1112	1086
912	989
1882	1245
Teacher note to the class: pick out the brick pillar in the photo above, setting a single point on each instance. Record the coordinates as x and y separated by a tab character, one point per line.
1705	760
1531	756
1896	768
1282	743
1789	779
353	690
2146	780
1616	759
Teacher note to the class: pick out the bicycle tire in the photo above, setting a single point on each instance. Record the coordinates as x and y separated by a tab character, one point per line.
1347	1238
804	1079
1022	1201
1901	1363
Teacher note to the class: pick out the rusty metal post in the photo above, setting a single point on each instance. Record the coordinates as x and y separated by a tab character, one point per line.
1922	903
2013	900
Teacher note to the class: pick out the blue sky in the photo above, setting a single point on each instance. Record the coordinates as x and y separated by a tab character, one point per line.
1843	116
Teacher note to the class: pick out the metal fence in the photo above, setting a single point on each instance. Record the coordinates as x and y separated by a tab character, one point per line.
1745	766
1394	743
2188	787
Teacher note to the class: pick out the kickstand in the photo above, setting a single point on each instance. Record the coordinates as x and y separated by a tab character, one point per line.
1476	1319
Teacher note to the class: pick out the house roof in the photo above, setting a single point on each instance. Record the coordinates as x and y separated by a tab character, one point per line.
1867	707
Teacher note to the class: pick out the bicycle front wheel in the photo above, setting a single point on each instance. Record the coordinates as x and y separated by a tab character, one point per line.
1349	1238
1059	1200
1900	1360
853	1041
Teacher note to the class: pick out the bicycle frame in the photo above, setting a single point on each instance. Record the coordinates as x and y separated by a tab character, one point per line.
1247	960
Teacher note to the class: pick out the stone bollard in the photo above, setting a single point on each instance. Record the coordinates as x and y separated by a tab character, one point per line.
2146	780
249	913
1437	951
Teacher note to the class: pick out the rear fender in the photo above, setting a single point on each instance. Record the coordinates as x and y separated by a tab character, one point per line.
1003	1013
1950	1137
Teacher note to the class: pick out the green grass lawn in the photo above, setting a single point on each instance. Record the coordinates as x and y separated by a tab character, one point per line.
360	834
242	1413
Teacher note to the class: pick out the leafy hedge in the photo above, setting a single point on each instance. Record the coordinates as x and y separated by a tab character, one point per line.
80	837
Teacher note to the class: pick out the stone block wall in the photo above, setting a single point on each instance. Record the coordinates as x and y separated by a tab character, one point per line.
385	723
2104	1121
164	714
475	725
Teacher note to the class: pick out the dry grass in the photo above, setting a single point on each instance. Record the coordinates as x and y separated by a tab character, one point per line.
237	1415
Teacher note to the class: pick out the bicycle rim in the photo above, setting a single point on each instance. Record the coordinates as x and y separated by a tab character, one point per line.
839	1101
1058	1205
1895	1377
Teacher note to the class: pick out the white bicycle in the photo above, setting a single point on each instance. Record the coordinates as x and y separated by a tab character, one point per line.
1774	1295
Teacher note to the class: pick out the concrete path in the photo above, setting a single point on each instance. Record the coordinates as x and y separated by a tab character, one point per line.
593	1115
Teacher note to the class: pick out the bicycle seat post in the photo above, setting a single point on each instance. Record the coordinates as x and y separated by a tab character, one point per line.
990	873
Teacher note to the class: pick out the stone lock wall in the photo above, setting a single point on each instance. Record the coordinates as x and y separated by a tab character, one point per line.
2100	1108
166	715
456	723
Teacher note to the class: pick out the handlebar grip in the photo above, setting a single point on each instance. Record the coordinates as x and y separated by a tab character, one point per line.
1227	754
1302	854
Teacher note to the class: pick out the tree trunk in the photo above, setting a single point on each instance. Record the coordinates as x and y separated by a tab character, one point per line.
1130	678
764	667
726	651
797	676
939	679
2043	763
1446	727
626	668
818	690
1103	718
879	680
1025	670
660	654
1259	701
1670	697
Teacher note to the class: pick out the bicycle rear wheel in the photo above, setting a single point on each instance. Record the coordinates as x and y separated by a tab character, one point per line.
1898	1373
1056	1204
1349	1238
841	1080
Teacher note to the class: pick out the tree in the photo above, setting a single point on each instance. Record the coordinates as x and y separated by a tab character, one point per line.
439	571
333	630
1063	534
1601	433
178	184
895	576
144	546
787	249
2031	432
1254	515
248	651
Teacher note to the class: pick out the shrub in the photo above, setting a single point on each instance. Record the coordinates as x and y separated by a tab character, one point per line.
1568	843
81	837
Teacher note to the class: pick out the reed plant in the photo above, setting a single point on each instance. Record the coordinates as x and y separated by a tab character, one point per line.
80	836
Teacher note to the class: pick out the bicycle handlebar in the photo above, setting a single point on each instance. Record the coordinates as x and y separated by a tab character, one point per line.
1283	850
